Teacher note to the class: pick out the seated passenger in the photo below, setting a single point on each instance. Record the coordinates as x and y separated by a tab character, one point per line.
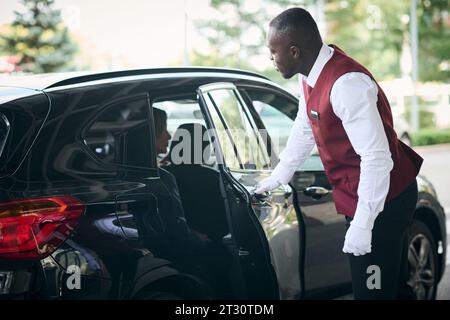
191	250
187	239
191	160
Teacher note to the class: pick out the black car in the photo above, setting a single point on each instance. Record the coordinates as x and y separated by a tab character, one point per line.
86	211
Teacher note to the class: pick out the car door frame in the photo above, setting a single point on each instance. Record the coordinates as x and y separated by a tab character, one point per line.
274	158
240	205
309	291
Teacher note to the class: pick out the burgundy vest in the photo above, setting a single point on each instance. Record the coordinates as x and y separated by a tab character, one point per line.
342	164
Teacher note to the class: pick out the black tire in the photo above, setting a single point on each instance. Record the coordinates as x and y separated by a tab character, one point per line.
419	272
180	287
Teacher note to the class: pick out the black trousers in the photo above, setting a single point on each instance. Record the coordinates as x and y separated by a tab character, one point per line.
377	275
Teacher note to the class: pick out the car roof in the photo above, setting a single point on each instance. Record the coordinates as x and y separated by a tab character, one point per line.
53	80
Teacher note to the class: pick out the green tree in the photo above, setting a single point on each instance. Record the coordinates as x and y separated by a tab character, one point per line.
239	35
39	38
373	32
434	40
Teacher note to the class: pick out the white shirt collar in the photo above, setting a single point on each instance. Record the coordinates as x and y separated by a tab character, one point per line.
324	55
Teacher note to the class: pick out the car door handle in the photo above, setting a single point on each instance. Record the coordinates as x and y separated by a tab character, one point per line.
261	198
316	192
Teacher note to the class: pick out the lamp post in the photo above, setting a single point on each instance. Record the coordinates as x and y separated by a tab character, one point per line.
186	53
415	65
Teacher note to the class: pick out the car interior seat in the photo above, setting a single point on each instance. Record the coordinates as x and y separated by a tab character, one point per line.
198	183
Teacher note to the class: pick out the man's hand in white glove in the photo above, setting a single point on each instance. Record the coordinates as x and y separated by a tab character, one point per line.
267	184
358	241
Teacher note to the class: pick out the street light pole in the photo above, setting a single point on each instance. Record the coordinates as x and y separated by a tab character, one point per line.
186	53
415	65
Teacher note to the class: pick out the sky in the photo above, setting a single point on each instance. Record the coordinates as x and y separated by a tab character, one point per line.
134	33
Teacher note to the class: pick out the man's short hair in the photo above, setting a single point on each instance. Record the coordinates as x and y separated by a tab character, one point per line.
298	25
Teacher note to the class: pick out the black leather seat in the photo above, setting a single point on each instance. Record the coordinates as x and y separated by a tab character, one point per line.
198	183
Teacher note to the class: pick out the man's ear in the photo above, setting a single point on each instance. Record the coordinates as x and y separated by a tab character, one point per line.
295	51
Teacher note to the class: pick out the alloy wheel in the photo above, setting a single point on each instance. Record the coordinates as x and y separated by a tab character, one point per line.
421	267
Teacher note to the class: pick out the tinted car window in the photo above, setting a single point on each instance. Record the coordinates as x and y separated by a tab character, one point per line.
25	117
241	131
229	154
179	112
278	114
121	134
278	124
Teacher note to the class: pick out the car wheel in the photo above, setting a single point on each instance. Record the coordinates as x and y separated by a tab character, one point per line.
420	274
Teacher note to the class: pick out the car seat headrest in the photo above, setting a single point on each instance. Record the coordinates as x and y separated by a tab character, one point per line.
190	145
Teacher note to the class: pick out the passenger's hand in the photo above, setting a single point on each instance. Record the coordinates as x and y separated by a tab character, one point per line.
267	184
358	241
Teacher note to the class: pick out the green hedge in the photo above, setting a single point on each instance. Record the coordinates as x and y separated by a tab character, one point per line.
431	136
427	119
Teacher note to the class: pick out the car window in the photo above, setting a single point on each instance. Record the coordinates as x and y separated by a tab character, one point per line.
229	153
278	114
22	117
277	124
241	133
182	111
120	134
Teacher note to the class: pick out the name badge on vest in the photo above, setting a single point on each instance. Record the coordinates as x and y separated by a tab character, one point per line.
315	115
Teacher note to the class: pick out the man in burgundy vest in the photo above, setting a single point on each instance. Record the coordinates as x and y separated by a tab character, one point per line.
346	114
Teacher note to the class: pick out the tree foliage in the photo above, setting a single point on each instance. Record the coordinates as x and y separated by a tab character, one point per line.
38	38
371	31
238	38
434	40
374	32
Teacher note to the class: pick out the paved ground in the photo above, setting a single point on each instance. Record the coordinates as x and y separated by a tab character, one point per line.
436	168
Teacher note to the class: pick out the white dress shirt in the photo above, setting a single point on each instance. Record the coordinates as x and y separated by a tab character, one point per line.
354	101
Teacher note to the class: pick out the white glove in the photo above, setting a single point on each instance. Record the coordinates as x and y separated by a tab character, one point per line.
280	175
358	241
267	184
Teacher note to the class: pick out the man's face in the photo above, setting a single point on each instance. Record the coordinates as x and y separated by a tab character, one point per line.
285	57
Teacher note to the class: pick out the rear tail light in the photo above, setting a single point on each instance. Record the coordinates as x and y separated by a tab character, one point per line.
34	228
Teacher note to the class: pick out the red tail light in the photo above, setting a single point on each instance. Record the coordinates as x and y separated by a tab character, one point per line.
34	228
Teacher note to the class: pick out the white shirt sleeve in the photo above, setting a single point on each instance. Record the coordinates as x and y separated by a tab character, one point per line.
298	147
354	100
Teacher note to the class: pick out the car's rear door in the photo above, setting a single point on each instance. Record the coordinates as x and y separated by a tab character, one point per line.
325	265
265	228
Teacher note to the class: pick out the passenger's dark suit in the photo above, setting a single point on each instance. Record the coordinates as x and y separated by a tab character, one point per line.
192	251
